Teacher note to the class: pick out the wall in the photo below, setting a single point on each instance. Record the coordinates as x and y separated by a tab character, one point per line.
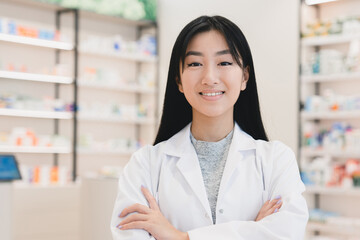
271	28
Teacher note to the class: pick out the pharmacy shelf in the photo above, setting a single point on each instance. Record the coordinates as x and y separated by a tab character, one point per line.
121	56
329	40
125	153
340	77
15	149
330	115
35	114
310	152
35	77
333	191
83	13
24	185
112	119
346	230
36	42
131	89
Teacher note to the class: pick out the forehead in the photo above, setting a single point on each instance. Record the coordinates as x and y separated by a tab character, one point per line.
211	41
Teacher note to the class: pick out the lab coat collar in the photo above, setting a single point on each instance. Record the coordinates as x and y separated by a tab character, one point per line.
180	146
176	145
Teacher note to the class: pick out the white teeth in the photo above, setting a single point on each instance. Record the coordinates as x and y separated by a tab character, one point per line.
212	94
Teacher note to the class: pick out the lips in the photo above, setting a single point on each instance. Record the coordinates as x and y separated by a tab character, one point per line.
212	94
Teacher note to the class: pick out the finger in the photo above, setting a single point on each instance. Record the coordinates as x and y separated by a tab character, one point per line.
135	208
276	199
135	225
274	202
266	206
275	208
134	218
149	197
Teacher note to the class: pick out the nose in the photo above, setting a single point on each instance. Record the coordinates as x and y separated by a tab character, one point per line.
210	76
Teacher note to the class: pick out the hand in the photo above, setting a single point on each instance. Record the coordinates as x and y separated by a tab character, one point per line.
150	220
269	208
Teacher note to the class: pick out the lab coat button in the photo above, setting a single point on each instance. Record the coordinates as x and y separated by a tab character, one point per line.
221	211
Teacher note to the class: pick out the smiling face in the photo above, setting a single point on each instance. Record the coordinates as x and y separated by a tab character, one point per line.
210	79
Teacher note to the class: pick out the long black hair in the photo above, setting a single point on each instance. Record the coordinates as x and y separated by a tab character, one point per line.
177	112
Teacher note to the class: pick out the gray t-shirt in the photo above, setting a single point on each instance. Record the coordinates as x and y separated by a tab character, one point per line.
212	158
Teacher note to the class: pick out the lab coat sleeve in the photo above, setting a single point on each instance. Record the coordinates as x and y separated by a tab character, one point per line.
135	174
288	223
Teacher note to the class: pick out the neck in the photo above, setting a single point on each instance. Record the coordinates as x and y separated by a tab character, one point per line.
211	129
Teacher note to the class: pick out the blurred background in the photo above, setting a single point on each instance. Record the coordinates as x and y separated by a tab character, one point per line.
82	85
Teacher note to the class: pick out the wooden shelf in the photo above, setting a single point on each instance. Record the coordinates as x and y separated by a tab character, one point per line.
36	42
35	77
35	114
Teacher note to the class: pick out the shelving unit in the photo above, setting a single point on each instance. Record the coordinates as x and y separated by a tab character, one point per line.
15	41
124	89
83	122
345	83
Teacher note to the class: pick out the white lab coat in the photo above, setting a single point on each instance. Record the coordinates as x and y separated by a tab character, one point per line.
255	171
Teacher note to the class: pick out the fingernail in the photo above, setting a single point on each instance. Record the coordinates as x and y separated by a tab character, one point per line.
278	197
119	226
143	186
120	214
278	202
276	210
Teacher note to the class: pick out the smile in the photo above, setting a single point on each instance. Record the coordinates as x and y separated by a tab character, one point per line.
212	94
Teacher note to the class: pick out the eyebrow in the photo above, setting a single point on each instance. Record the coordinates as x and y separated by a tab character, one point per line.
195	53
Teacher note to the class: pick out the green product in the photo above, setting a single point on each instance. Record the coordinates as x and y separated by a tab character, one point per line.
150	9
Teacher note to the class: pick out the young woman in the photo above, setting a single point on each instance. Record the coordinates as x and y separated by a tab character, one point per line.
212	173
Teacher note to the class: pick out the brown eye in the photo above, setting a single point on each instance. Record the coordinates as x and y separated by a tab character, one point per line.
225	64
195	64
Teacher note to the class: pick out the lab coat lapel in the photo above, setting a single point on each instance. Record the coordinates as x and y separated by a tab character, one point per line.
241	142
188	164
189	167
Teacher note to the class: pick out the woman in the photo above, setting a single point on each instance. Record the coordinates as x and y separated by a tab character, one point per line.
212	173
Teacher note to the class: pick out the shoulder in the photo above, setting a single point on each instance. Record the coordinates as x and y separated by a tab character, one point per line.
275	153
148	151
